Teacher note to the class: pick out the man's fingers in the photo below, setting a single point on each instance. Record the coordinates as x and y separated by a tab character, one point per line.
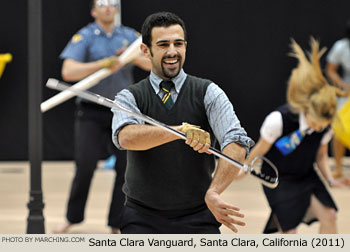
224	213
195	133
197	138
198	146
194	143
199	135
229	219
203	138
189	134
230	226
201	148
230	222
226	206
108	62
207	138
205	149
231	212
238	222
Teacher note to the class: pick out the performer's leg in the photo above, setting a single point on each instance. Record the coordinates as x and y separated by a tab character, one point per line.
338	152
326	216
86	157
87	140
118	197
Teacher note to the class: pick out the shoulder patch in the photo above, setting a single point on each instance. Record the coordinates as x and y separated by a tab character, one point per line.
125	43
76	38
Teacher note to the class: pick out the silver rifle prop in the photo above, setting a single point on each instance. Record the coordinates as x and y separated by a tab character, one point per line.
267	180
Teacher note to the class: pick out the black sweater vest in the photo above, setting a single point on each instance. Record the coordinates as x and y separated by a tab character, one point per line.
172	176
299	163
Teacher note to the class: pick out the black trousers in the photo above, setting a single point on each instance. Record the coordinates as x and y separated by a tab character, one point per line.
135	221
93	141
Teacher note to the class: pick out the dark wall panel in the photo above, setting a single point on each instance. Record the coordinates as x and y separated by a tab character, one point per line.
243	45
62	20
240	45
13	83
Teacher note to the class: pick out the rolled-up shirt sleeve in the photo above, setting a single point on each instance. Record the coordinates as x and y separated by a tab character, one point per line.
120	118
223	120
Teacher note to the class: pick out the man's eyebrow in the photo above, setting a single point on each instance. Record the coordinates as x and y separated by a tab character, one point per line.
167	41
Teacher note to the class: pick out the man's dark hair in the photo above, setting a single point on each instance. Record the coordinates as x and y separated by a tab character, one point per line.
160	19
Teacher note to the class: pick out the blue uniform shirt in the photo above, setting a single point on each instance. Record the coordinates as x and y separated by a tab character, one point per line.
91	43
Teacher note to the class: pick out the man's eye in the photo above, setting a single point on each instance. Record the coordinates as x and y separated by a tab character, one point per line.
163	45
179	44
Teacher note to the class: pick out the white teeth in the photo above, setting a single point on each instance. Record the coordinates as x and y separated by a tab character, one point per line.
171	62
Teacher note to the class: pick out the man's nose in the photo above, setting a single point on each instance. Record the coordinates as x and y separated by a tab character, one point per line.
172	50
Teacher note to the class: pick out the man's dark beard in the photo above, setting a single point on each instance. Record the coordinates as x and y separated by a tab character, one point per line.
172	75
163	70
179	58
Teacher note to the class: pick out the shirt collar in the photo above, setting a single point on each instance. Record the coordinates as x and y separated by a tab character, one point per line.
178	81
98	30
303	126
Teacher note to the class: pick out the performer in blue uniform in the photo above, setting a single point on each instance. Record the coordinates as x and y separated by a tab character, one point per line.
92	48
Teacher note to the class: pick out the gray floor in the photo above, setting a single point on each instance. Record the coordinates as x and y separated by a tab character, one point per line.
14	195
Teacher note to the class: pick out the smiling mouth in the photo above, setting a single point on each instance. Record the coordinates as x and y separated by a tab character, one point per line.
171	62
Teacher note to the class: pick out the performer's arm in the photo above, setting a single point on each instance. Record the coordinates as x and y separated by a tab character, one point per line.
225	213
144	137
73	70
332	73
260	149
235	143
270	131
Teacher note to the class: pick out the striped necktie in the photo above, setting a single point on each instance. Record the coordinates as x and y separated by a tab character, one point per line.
166	86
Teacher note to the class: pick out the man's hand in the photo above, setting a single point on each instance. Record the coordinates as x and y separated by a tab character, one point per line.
197	138
223	211
108	62
111	62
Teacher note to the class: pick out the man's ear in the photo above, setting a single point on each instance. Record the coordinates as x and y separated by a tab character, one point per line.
145	50
93	13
